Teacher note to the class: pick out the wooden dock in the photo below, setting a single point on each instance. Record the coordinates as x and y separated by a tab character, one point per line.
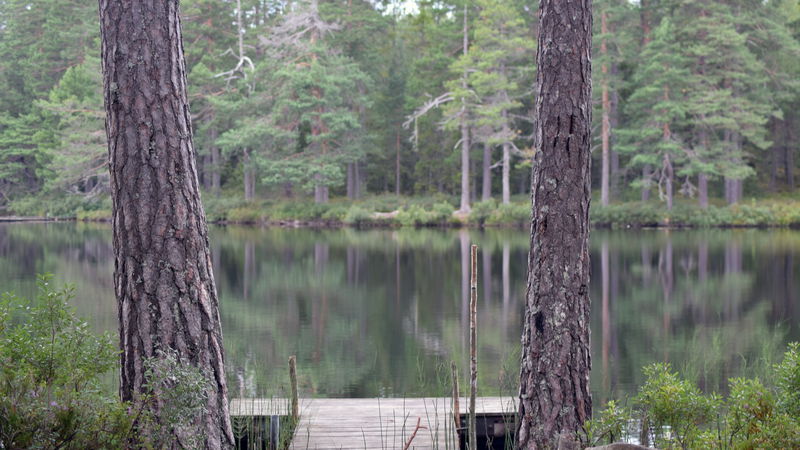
373	423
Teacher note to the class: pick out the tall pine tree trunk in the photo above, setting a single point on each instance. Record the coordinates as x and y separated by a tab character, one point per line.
605	134
645	22
702	190
351	181
789	148
216	162
555	399
506	158
487	173
163	280
397	163
249	176
464	206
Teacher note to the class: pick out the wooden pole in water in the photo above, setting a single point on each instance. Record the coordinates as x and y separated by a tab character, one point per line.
293	379
473	347
456	406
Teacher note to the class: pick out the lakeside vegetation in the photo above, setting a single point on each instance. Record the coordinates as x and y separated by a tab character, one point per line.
441	211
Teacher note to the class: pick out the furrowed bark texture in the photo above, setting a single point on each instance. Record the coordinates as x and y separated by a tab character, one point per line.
162	270
554	378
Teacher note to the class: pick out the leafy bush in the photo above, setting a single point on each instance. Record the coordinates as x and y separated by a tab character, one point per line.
96	215
481	211
518	214
356	215
788	380
335	213
609	426
245	214
51	395
416	215
50	369
678	415
675	407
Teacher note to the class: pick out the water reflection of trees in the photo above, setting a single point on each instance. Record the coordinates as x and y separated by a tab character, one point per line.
713	303
369	313
381	312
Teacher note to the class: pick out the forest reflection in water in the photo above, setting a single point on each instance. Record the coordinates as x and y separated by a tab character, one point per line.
382	312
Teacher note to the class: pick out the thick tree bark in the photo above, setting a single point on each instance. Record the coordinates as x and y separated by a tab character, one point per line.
555	399
163	280
486	179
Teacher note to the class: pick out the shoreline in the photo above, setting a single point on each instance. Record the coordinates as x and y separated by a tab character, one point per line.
334	224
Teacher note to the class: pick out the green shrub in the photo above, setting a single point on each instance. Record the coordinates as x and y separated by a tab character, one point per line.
50	369
609	426
245	214
357	215
787	375
51	394
335	213
416	215
481	211
678	415
674	407
518	214
94	216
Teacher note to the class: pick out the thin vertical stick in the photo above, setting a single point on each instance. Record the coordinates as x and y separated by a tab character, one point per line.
473	346
456	406
293	379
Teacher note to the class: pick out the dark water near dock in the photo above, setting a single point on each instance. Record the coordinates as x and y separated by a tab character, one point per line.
382	312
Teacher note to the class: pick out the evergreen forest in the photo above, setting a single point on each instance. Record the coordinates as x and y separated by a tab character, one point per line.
327	102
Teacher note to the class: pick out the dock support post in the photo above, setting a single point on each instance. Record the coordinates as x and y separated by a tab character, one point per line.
473	347
274	432
456	406
293	380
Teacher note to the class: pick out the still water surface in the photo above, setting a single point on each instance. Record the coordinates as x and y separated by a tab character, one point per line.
383	312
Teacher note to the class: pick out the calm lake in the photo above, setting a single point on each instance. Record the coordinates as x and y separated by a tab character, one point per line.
383	312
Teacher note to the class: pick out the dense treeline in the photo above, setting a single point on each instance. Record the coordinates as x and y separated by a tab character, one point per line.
321	98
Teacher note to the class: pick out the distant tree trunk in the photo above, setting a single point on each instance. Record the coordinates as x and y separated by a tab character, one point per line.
216	161
615	172
397	163
351	182
667	171
506	173
506	161
464	207
789	150
605	134
646	173
487	173
774	154
555	399
249	176
163	279
702	190
359	184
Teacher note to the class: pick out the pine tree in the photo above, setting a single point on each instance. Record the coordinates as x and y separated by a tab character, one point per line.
657	111
499	66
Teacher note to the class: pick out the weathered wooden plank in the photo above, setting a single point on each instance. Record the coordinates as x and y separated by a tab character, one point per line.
372	423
